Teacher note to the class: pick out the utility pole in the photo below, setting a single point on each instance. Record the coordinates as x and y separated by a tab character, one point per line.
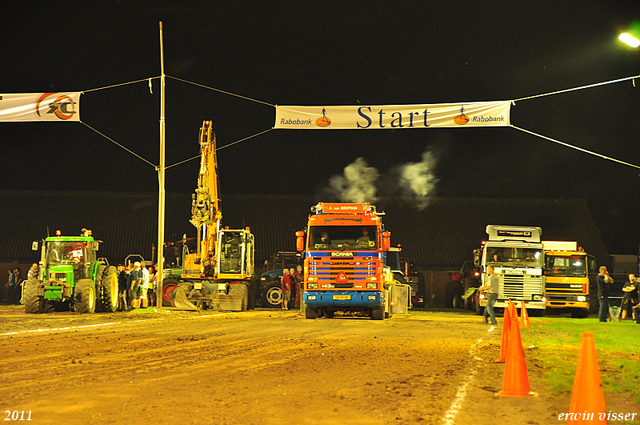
161	190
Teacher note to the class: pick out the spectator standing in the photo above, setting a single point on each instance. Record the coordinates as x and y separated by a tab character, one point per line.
144	285
11	286
18	289
630	290
285	286
604	286
133	283
122	286
299	284
153	286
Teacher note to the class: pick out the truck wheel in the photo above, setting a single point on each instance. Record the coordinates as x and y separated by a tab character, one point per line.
84	296
108	287
457	301
377	314
272	296
328	313
310	314
168	286
32	302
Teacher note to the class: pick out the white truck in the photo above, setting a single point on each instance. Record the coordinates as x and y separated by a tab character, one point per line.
516	254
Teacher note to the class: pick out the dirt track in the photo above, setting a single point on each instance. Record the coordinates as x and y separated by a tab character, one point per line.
259	367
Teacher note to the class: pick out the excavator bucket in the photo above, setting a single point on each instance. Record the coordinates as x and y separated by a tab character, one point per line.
181	302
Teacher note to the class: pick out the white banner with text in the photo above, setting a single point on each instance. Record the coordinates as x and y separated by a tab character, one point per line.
472	114
40	107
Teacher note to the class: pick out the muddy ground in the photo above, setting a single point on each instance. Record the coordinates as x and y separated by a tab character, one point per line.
261	367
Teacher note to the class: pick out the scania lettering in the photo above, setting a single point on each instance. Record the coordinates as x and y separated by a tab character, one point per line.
516	254
345	270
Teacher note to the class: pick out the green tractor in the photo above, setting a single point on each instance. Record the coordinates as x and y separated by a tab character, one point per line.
70	277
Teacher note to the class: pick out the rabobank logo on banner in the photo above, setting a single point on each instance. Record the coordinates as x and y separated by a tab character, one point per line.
323	121
478	114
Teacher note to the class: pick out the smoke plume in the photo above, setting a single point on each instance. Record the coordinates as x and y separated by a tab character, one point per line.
362	183
357	184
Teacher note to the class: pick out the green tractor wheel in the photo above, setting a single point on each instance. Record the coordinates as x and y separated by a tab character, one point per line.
32	302
84	296
107	285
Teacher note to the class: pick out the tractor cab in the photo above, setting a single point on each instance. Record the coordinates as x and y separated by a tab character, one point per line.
67	260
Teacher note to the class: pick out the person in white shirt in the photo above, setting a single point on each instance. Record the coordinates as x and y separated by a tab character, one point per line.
144	285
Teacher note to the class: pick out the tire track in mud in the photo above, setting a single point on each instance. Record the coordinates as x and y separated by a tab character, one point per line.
242	369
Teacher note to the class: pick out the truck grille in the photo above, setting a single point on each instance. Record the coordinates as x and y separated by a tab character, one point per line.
566	289
518	287
326	271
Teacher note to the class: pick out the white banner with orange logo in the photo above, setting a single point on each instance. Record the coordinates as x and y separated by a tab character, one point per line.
393	117
40	107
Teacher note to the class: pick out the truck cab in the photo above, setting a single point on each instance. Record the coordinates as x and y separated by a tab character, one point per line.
516	254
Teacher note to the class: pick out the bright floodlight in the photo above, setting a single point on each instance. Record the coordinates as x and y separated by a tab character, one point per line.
629	39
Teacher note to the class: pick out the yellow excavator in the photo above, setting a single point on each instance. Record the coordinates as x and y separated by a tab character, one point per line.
217	275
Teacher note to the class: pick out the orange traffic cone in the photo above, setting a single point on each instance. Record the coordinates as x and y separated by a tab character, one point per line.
505	334
514	311
515	382
587	398
524	317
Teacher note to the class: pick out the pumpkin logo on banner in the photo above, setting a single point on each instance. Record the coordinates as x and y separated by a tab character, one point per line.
63	107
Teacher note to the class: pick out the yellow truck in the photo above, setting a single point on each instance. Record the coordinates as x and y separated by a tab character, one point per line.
566	271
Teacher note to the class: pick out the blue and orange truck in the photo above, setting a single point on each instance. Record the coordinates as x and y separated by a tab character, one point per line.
345	250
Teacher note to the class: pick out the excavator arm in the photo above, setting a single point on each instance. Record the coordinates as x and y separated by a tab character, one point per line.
205	208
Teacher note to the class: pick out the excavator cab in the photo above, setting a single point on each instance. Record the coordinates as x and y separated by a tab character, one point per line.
236	253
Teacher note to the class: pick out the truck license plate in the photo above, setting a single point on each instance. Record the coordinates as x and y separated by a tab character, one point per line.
342	297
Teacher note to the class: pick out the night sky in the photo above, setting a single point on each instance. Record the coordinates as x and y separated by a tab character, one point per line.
330	53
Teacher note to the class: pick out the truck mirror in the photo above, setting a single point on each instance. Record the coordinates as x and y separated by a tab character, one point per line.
95	245
299	241
386	241
34	246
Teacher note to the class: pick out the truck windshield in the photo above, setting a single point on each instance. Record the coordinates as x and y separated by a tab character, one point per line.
343	237
562	265
59	252
527	257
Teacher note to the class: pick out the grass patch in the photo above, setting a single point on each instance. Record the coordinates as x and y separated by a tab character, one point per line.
557	342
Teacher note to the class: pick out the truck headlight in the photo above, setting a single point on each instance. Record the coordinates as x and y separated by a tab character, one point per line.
371	297
312	286
372	285
537	297
311	297
582	299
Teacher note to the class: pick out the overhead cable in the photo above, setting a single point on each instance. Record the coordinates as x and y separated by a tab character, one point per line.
221	91
580	88
221	147
118	144
121	84
577	148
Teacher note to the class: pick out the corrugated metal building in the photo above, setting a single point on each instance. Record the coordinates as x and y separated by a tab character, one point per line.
441	236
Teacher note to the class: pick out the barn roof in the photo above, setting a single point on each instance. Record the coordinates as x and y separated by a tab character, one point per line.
442	235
